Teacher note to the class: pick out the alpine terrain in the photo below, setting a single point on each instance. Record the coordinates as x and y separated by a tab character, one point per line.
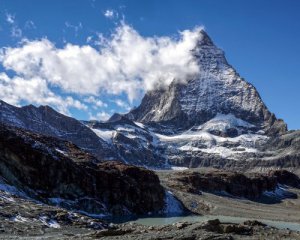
205	145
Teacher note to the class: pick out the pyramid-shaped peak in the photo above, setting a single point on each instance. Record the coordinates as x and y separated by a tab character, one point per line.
216	89
204	39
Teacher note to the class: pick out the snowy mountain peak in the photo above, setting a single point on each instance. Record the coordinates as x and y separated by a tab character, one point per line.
204	39
216	89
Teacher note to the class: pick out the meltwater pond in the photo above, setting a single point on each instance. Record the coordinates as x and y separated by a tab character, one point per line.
150	221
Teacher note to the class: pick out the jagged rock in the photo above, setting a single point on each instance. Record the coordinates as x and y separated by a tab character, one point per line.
45	120
53	170
217	88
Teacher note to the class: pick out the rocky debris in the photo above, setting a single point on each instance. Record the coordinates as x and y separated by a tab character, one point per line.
212	229
221	182
55	171
254	223
216	226
26	218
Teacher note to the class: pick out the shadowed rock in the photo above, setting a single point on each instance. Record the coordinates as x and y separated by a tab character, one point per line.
48	168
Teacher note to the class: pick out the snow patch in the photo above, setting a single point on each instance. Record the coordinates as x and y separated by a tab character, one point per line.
140	125
49	222
199	139
105	134
221	122
61	151
19	218
172	205
175	168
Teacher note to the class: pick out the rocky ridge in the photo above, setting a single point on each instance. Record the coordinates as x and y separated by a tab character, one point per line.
252	186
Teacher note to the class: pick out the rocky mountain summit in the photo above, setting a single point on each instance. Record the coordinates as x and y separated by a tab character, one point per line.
216	89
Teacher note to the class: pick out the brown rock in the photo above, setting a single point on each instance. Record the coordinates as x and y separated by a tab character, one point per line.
32	162
233	183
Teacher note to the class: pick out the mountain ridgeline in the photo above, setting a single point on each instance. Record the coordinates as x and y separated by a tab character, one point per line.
211	119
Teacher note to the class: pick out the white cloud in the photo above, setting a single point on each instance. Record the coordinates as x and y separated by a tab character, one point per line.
109	13
125	62
122	104
102	116
89	39
10	18
35	91
95	102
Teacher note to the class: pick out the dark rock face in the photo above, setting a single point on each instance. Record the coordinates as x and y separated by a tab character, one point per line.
286	178
48	168
235	184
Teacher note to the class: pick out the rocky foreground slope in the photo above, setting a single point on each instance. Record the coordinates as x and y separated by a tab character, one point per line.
50	188
57	172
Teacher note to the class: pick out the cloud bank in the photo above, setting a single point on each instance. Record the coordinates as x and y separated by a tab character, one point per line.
125	63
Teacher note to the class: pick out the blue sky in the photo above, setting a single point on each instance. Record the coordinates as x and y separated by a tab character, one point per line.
260	38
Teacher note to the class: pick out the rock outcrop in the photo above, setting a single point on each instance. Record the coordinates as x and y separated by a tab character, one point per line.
220	182
285	177
58	172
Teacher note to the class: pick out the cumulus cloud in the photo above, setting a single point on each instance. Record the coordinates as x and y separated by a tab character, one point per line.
125	63
34	91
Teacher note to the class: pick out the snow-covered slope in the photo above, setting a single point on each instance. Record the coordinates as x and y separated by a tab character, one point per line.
224	137
133	142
